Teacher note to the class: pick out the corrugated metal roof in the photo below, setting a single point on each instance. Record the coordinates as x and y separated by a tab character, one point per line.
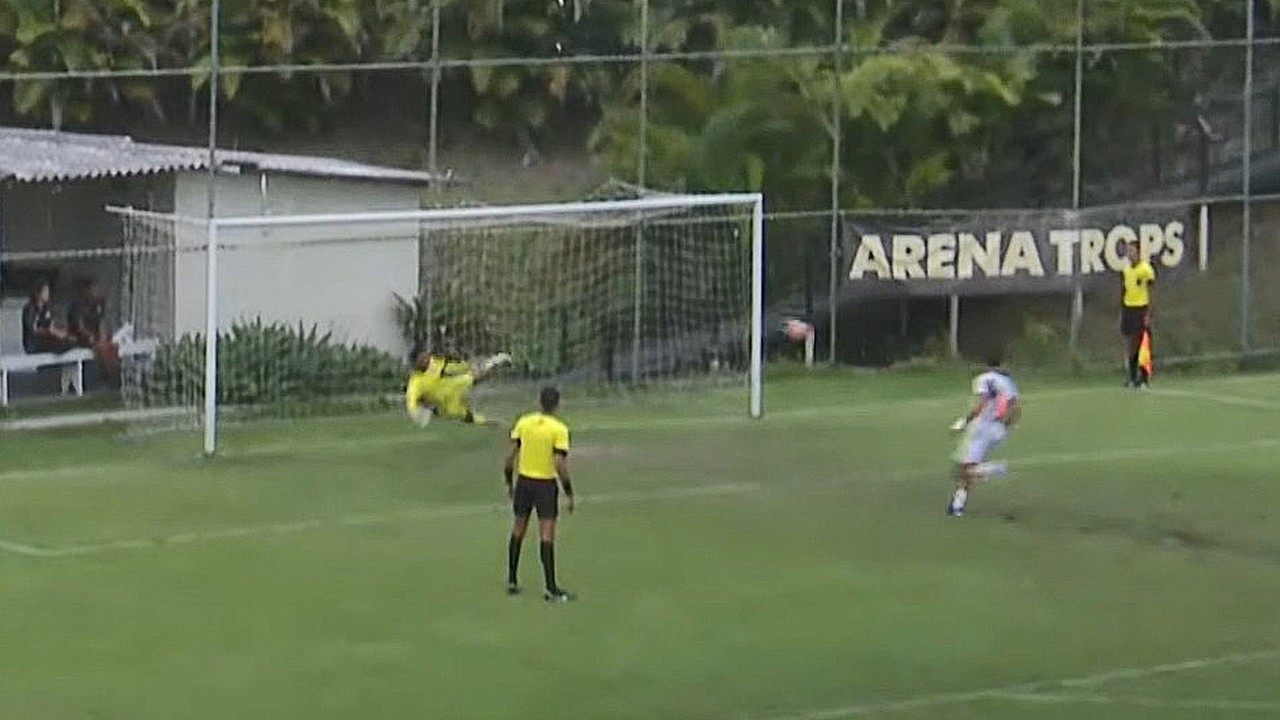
48	156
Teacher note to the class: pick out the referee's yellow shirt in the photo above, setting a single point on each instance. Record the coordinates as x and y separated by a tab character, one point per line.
541	438
1138	279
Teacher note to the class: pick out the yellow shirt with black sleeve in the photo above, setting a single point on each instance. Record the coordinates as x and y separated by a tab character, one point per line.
1138	279
424	385
541	437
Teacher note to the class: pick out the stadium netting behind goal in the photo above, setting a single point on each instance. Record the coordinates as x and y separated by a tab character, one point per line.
318	313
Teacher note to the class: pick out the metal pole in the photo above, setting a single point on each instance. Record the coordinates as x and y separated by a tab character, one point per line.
211	254
837	132
433	130
756	405
1077	291
211	342
637	317
426	252
1246	220
953	328
643	160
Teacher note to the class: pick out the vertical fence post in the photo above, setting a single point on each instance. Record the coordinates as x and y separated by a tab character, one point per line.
1246	180
1077	289
642	165
1204	237
756	371
433	121
643	161
953	328
837	130
637	319
1274	133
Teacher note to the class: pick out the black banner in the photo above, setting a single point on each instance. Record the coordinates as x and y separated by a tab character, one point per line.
1028	252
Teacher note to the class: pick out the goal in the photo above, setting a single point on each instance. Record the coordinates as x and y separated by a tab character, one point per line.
299	314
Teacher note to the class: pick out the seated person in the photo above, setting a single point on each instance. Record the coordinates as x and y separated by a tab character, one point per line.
39	334
85	322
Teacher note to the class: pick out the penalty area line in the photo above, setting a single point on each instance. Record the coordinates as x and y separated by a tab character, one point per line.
1148	702
355	520
1029	689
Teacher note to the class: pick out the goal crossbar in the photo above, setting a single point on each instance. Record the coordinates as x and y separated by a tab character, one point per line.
639	207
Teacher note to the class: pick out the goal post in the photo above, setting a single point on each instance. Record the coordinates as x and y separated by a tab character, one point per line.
288	312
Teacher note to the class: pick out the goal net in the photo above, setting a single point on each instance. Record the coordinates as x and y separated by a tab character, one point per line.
320	313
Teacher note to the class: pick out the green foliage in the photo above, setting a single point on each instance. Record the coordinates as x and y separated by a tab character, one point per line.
261	364
1040	345
414	319
972	98
80	35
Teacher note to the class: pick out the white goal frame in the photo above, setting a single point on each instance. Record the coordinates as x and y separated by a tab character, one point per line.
649	203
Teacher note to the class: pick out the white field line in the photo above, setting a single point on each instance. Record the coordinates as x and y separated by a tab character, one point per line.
1220	399
1148	702
444	511
843	412
1028	688
356	520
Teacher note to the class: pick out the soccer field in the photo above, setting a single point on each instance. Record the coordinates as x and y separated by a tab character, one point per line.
798	567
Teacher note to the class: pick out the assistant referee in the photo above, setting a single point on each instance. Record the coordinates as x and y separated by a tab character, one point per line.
539	457
1135	311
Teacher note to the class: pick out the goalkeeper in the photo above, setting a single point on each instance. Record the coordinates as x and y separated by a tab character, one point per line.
440	385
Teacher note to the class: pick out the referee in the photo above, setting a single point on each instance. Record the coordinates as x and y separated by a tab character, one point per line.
1135	313
539	456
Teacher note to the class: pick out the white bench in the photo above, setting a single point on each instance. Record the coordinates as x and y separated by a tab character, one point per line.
71	363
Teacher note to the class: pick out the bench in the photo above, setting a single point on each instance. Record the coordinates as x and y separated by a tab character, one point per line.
71	363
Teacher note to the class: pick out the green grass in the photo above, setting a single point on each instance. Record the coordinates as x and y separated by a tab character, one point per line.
728	569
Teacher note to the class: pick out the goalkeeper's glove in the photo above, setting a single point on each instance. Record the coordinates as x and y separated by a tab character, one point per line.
959	425
422	416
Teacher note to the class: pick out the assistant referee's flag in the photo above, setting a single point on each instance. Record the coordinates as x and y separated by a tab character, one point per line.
1144	353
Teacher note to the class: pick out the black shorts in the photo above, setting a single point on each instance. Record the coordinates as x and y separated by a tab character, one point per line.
540	495
1133	320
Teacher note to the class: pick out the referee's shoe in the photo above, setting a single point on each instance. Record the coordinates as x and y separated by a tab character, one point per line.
558	595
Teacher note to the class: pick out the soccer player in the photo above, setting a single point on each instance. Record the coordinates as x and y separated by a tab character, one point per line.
441	385
539	456
997	407
1135	313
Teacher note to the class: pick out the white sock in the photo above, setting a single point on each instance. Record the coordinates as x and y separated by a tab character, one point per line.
959	499
992	469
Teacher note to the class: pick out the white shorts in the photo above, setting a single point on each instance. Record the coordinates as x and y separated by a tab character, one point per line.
979	440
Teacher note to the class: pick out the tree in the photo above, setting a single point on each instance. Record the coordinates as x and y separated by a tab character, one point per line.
258	33
78	35
909	119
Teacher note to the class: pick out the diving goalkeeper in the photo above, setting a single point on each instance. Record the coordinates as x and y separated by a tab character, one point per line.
440	385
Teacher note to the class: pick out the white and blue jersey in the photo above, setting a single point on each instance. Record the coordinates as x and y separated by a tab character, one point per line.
997	392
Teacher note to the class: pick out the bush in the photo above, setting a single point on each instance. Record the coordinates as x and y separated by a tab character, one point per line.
273	363
1041	345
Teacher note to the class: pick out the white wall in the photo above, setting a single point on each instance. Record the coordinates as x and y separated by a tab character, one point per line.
344	287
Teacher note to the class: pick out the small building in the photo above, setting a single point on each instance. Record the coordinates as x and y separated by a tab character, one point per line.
55	188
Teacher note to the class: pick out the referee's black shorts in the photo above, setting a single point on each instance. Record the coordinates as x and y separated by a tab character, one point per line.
541	495
1133	320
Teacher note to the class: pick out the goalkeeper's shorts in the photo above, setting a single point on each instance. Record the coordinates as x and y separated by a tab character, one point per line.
450	395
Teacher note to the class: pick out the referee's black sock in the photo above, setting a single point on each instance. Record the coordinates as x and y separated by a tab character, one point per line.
548	552
513	559
1133	368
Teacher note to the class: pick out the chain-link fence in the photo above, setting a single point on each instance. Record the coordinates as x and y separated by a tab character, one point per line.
913	122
